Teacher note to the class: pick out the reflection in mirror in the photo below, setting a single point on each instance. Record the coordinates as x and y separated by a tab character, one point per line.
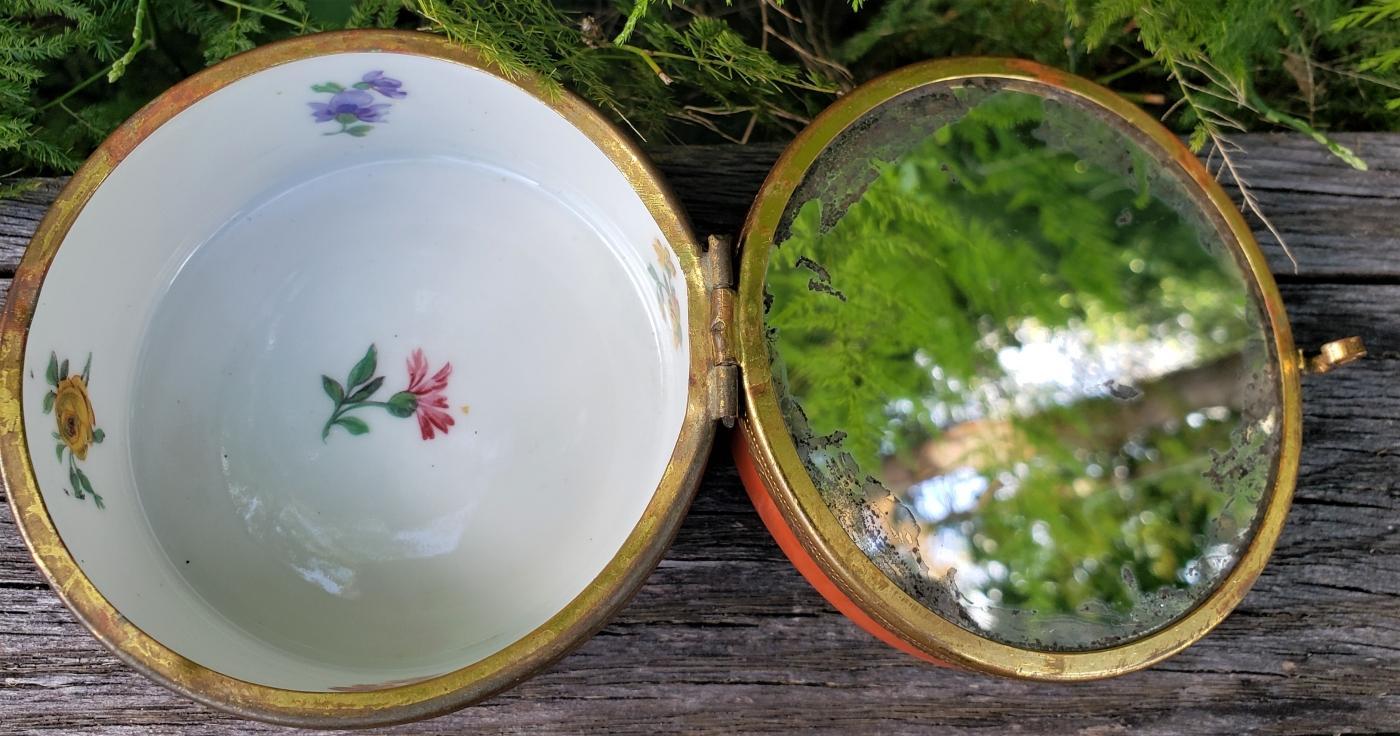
1023	365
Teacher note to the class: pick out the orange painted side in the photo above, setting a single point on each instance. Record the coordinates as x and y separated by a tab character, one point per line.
797	554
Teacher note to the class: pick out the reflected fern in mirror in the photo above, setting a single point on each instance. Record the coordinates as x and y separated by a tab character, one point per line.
1022	365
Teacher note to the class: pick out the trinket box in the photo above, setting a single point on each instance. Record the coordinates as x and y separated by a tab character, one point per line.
352	381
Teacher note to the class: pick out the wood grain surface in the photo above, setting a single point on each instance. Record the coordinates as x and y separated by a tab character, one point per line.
726	637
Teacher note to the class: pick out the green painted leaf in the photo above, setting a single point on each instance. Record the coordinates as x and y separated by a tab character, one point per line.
402	404
97	500
63	369
364	369
82	478
59	450
57	436
333	389
362	85
73	480
346	118
52	373
359	131
98	435
87	368
353	425
367	391
328	87
48	401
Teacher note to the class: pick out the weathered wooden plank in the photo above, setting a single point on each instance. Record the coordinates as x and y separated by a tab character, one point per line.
726	636
19	218
1338	222
1336	219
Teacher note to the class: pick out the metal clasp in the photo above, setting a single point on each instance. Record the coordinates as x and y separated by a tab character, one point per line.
724	371
1333	354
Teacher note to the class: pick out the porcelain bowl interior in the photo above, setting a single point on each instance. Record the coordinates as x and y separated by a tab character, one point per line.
354	372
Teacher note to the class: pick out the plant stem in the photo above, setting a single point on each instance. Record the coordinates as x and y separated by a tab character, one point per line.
300	24
359	404
335	417
119	66
1141	64
1279	117
81	121
342	408
1356	75
72	471
80	86
646	57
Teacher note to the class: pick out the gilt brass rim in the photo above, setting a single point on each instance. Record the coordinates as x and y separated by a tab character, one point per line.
584	615
799	502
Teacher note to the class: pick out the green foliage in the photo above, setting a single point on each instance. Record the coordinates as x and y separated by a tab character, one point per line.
1113	541
1024	228
1210	49
1378	29
900	31
975	226
1369	15
692	70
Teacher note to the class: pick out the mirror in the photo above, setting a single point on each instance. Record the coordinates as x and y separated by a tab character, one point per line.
1023	363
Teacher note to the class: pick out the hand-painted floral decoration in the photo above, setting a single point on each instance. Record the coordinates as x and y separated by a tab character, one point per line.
432	402
77	431
425	396
664	280
354	107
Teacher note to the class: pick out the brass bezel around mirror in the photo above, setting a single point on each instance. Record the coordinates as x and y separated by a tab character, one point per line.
793	507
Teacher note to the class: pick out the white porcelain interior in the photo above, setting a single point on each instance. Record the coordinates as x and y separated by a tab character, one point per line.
250	246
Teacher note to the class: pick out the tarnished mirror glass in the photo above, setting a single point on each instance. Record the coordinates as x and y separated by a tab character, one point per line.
1024	364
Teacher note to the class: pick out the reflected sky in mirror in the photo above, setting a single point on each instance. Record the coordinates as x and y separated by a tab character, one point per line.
1022	365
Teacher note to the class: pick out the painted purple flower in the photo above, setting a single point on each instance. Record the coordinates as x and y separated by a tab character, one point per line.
354	107
354	103
348	107
386	86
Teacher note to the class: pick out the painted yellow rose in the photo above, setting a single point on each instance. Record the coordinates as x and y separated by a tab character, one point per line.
74	413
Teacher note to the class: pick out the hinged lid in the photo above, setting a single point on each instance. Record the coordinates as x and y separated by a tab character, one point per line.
1020	389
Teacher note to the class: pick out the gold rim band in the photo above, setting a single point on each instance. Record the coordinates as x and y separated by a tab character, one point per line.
801	504
585	614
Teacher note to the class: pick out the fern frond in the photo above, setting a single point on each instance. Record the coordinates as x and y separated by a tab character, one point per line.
1384	61
68	9
374	14
1208	130
1368	15
639	10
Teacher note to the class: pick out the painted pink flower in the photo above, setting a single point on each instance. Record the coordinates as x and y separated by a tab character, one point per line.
432	401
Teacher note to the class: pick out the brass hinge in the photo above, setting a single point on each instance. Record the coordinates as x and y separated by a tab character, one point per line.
1333	354
724	371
